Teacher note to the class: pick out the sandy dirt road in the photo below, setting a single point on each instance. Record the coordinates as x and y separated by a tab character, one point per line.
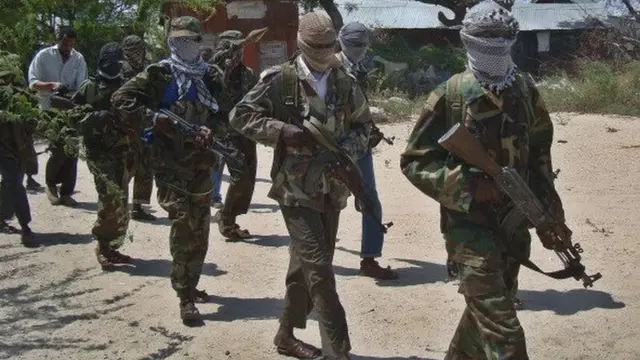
55	302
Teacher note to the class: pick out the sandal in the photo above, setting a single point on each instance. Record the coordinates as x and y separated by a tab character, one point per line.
8	229
200	296
118	258
233	232
301	350
374	270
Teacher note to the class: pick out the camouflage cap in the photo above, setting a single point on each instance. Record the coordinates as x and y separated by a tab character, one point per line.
10	72
185	26
233	36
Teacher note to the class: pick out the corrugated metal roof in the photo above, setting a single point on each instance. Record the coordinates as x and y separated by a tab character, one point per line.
409	14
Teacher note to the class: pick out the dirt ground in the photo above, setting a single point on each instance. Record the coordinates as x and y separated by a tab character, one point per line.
55	302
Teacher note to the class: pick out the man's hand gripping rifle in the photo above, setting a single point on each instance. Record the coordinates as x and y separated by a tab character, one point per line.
459	142
232	157
340	164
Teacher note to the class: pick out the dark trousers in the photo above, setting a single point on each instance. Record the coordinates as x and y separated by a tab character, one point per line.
13	198
310	279
241	186
143	178
61	169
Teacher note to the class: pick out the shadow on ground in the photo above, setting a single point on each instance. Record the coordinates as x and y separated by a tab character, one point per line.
87	206
264	208
422	272
32	314
362	357
265	240
162	268
233	308
51	239
175	341
568	302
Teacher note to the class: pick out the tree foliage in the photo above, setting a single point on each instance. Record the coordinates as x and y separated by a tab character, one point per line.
28	25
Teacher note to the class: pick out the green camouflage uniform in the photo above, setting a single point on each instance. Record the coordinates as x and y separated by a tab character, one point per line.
283	95
18	109
143	173
184	182
110	159
518	134
241	185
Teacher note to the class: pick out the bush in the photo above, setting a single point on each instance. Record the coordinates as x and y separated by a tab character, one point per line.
598	87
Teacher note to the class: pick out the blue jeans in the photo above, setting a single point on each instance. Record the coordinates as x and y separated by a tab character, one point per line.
14	199
216	179
372	236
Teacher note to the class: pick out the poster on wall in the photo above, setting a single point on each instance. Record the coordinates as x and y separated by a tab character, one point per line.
271	53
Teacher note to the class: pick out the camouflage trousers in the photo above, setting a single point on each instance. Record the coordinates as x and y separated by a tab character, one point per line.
143	177
241	186
190	201
112	184
489	328
310	281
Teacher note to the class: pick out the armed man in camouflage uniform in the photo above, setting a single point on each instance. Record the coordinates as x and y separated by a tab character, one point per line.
502	107
134	51
355	39
182	84
18	108
311	86
239	80
109	154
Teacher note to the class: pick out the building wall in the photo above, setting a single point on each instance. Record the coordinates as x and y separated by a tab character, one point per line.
279	16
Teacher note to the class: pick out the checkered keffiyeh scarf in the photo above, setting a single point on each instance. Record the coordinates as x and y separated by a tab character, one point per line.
188	69
489	58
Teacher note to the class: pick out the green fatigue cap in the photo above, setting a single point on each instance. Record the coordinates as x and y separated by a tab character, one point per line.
185	26
10	72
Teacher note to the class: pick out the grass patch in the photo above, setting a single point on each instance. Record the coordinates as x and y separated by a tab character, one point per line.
598	88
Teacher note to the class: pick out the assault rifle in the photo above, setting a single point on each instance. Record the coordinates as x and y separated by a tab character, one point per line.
377	136
61	98
459	142
232	157
345	169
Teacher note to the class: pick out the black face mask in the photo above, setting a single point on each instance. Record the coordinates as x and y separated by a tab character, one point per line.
110	61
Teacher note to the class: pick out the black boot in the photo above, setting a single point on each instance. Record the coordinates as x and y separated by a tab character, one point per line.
189	313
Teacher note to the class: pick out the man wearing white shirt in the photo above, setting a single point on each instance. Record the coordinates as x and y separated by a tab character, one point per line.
51	68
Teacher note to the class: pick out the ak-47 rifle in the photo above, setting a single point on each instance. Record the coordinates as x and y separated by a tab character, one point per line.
232	157
459	142
61	98
376	135
336	160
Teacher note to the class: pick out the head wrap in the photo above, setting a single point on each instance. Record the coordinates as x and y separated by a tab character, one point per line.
355	39
488	33
316	41
134	51
110	61
188	68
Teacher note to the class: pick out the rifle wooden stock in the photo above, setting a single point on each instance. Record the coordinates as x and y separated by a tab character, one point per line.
459	142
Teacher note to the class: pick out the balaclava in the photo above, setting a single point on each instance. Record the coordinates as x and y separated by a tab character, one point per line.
488	33
134	51
188	68
110	61
316	41
355	39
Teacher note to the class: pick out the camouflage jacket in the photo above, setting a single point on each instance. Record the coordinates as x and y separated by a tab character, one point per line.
128	71
359	75
516	130
284	94
239	82
18	121
136	101
105	136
